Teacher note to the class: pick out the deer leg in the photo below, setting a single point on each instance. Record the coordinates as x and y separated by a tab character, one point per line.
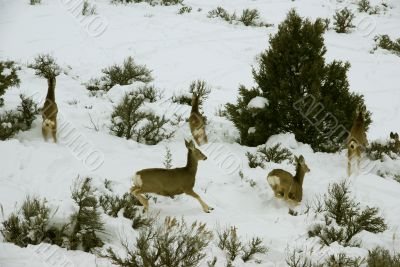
205	207
44	133
54	134
137	193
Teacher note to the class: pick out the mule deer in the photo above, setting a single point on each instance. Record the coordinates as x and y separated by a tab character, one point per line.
197	122
396	141
286	185
356	142
170	182
49	111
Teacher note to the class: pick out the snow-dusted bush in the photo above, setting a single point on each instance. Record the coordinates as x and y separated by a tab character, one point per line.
150	2
384	42
249	17
294	79
173	243
85	223
198	87
379	257
13	121
112	204
8	77
131	121
343	218
29	225
45	66
343	20
88	9
184	9
220	12
264	154
35	2
298	258
378	150
167	158
364	5
128	73
229	241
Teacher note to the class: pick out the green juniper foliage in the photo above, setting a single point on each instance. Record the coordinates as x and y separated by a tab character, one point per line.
343	20
128	73
8	77
364	5
86	222
344	218
13	121
295	80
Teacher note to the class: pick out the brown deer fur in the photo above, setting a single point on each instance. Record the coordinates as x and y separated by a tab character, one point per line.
170	182
357	142
49	111
286	185
197	122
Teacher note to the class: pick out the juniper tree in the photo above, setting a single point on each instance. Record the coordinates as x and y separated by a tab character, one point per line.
294	79
8	77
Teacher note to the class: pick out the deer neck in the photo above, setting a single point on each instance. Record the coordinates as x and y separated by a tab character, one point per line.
195	106
192	162
51	87
299	174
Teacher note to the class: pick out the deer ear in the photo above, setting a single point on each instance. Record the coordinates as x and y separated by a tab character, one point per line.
301	159
391	135
296	159
186	143
191	144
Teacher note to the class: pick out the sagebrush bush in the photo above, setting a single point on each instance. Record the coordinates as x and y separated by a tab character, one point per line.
8	77
377	150
88	9
167	158
344	218
13	121
129	120
249	17
85	222
298	258
229	241
128	73
364	5
29	225
150	2
185	9
173	243
112	204
343	20
384	42
294	79
45	66
379	257
35	2
264	154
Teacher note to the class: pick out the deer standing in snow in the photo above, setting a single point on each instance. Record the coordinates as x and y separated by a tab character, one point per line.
197	122
356	142
170	182
49	111
286	185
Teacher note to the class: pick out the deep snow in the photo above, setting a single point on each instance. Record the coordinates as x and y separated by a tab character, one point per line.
180	49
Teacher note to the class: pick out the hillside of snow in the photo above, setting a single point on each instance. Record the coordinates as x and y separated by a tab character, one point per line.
179	49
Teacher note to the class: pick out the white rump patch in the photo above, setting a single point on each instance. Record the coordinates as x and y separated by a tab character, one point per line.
273	180
48	123
137	180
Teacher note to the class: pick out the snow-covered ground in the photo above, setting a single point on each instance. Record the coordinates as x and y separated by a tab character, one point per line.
180	49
